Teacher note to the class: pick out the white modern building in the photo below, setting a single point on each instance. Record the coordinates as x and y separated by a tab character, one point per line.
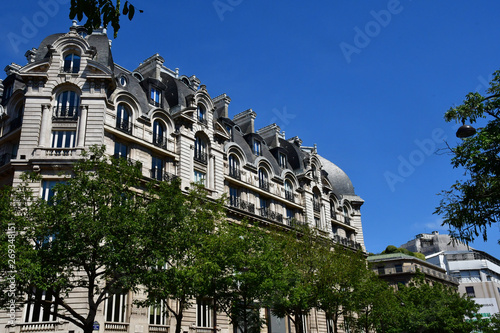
477	271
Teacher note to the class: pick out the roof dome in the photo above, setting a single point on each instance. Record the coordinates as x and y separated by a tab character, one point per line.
342	185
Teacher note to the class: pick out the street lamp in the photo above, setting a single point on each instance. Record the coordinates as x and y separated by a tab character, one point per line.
465	131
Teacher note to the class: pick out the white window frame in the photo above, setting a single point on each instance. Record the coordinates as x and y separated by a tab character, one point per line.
117	315
72	62
204	313
63	139
200	177
31	308
158	314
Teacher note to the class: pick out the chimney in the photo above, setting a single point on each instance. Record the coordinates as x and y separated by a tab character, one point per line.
245	120
221	103
271	134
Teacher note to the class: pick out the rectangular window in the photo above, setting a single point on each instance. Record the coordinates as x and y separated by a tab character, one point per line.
157	168
121	150
289	216
282	160
234	197
263	207
381	270
116	306
155	96
399	268
317	222
36	310
470	291
47	191
204	313
329	325
257	147
63	139
158	314
199	177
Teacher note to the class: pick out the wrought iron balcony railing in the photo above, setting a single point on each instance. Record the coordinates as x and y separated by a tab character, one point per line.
124	126
235	173
200	156
160	142
264	184
66	113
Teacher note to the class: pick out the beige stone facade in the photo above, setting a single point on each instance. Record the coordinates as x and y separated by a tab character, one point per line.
71	95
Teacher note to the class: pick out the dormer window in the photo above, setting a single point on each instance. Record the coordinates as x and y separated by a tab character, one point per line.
123	122
201	114
263	179
159	134
282	160
123	81
288	190
314	172
257	147
234	166
71	63
156	96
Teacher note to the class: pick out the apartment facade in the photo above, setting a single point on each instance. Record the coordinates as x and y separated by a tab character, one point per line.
400	268
71	95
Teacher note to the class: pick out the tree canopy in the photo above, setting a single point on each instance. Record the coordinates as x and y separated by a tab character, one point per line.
101	13
472	204
99	230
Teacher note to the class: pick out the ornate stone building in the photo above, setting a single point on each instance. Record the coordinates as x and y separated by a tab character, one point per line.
71	95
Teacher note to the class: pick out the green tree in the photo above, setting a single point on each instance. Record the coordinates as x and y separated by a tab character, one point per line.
101	13
295	296
372	304
106	231
393	249
472	204
436	308
339	275
249	262
182	228
87	237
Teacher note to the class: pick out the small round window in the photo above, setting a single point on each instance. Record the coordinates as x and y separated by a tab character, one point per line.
123	81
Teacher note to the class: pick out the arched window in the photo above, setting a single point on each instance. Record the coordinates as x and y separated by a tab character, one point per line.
234	166
71	63
314	172
123	121
201	114
347	219
263	179
288	190
316	200
333	214
68	103
159	134
200	150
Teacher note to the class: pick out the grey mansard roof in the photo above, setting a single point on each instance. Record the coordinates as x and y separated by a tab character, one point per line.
342	185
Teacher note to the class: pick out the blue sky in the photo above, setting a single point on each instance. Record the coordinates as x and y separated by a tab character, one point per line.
367	81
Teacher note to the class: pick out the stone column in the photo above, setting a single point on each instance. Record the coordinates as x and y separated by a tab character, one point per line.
82	126
45	125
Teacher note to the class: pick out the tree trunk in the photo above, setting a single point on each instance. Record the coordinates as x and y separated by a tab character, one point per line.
335	319
178	321
299	323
